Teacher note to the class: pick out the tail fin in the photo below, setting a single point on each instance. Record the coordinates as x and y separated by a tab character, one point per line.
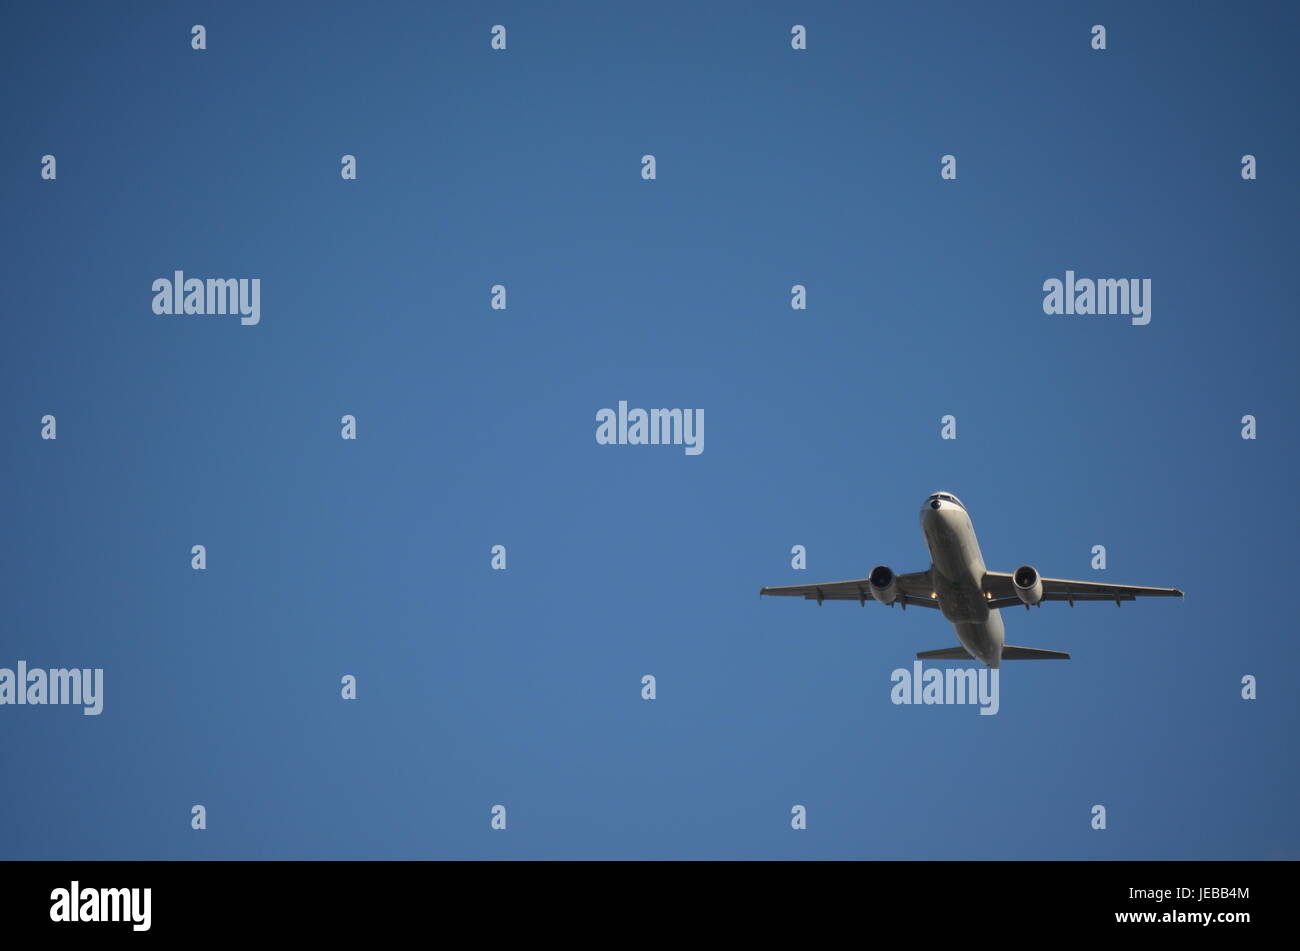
1031	653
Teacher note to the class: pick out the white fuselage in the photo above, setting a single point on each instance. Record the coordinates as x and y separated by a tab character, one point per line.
957	568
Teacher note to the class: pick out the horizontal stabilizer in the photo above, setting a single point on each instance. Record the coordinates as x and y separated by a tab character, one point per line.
948	653
1008	653
1031	653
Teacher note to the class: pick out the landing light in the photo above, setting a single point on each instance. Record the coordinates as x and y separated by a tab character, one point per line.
931	595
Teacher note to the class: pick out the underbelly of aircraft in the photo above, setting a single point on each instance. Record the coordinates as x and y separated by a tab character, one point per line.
957	572
983	640
961	600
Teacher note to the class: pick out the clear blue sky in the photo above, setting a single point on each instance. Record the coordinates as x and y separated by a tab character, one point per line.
476	427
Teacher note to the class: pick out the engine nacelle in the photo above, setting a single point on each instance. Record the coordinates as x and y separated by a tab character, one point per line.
1028	584
884	584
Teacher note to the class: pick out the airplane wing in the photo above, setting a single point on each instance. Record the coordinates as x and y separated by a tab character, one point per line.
912	589
1000	586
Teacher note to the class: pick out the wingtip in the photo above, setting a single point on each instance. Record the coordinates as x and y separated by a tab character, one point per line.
762	591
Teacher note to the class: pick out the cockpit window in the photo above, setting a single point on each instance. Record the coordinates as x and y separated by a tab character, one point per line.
945	497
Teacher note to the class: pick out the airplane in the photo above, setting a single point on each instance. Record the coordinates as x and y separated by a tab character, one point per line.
968	594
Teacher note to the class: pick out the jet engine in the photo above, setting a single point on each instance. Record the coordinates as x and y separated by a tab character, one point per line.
1028	585
884	585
